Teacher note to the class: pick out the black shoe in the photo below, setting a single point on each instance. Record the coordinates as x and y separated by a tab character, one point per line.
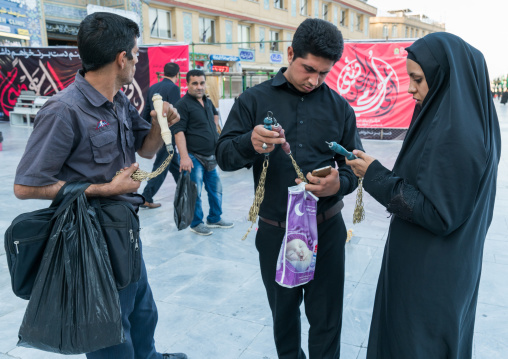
174	356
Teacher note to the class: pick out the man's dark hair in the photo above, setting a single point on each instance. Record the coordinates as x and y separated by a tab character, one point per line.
194	72
171	69
319	38
102	36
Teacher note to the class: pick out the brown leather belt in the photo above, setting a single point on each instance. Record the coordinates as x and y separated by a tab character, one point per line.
320	218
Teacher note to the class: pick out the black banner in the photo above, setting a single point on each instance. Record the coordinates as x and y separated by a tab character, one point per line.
48	70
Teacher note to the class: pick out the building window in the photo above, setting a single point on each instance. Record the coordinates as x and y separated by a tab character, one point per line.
359	22
274	38
325	11
394	31
385	31
160	23
406	33
411	32
244	36
343	17
304	8
206	30
416	33
278	4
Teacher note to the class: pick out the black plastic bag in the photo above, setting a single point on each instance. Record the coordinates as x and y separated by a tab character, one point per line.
74	307
185	201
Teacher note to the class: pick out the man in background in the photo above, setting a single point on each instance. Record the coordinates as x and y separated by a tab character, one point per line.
196	138
170	92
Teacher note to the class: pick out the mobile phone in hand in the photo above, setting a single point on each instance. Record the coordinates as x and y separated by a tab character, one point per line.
322	172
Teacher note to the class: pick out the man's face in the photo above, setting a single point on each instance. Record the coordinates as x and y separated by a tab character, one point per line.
130	67
307	74
196	86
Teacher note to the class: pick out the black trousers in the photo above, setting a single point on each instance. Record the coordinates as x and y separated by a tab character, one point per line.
323	296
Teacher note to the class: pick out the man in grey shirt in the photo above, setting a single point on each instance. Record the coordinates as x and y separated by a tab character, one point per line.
88	132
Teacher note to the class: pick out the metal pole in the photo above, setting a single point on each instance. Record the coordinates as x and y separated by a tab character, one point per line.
230	87
193	56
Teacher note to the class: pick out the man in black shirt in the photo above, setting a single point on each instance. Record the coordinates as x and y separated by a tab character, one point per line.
196	137
310	113
170	93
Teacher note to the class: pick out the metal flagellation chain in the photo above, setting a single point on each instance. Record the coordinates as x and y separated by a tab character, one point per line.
141	175
258	197
359	212
297	169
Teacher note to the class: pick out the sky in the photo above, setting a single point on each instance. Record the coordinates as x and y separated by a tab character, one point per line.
483	25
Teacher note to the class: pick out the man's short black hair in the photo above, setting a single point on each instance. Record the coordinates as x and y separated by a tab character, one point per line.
194	72
103	35
171	69
319	38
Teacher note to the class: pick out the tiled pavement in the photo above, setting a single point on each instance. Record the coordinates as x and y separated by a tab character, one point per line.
209	291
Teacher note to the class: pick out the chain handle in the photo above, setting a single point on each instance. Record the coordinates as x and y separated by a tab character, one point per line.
297	169
141	175
359	212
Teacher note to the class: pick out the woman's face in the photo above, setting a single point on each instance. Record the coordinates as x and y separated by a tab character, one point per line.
417	84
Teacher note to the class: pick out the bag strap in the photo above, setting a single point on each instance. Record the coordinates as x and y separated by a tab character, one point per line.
69	192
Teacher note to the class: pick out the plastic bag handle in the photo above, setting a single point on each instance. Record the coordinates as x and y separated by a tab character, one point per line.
69	192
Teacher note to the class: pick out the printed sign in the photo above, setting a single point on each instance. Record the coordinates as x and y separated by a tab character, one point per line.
372	78
247	55
276	58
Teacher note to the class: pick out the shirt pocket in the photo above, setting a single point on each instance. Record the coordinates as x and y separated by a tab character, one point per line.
104	146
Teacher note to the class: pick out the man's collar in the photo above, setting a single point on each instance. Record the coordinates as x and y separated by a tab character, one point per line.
93	96
280	79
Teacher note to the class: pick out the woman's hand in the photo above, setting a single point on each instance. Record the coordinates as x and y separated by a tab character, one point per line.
361	164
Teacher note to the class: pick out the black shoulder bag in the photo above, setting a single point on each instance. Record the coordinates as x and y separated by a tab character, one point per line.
27	236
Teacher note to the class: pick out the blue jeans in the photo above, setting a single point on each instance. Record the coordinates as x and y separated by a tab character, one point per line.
213	187
139	319
153	185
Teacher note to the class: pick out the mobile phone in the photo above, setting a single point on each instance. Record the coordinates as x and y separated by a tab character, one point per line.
322	172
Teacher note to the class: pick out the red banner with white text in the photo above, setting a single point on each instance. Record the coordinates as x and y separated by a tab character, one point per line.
48	70
372	77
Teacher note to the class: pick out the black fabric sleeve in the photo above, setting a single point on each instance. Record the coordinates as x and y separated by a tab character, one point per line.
406	201
184	118
234	149
350	141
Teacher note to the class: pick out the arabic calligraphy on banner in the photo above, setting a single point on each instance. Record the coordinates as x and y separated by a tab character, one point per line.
372	78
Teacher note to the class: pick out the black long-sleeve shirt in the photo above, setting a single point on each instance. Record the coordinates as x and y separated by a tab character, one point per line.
308	120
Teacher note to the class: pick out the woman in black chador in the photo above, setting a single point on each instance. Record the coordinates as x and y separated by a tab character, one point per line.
441	196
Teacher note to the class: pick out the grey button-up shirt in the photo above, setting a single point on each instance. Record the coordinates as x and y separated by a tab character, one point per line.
79	135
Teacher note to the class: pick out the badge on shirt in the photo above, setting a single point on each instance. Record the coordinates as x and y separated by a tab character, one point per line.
101	124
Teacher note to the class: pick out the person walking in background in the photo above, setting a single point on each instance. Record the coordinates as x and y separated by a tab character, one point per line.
89	131
196	138
170	92
311	113
441	195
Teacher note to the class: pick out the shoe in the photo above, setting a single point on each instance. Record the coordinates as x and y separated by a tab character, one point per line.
150	205
221	224
201	229
174	356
